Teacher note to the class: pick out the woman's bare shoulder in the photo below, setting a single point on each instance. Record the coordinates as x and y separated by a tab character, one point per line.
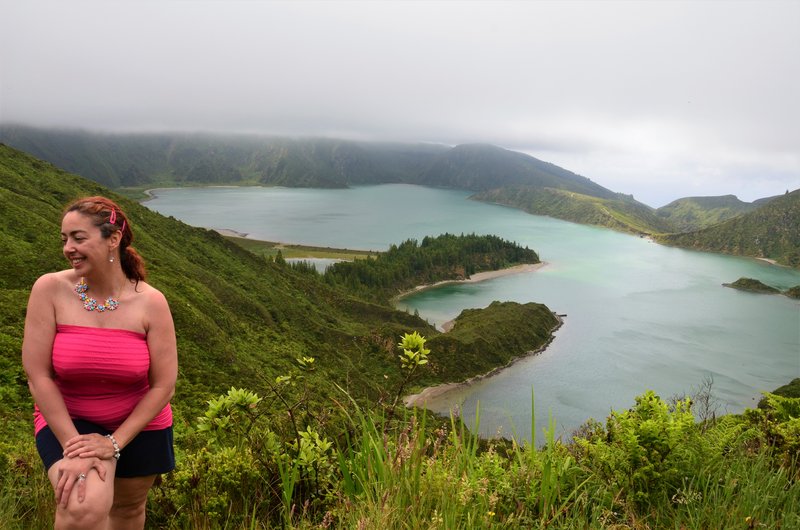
150	294
55	281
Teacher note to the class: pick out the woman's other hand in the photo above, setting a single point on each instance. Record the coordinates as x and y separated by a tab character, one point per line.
89	446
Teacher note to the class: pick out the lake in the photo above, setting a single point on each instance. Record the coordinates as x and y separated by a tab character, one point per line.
639	315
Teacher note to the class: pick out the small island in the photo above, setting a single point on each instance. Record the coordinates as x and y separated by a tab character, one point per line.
752	286
755	286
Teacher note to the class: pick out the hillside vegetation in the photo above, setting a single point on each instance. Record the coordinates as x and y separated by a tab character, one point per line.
148	160
618	212
506	330
284	417
695	213
771	231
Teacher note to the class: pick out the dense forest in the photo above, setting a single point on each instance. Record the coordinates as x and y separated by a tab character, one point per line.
411	263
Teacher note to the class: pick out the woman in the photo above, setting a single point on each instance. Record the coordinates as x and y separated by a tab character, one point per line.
101	359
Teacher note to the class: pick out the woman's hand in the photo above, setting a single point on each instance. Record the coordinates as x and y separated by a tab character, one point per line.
72	472
89	446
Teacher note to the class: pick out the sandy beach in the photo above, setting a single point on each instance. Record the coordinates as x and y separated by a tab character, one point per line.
477	277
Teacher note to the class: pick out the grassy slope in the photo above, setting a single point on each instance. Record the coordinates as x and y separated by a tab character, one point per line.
617	213
695	213
271	248
771	231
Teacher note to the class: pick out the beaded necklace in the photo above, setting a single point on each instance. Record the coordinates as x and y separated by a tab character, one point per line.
90	304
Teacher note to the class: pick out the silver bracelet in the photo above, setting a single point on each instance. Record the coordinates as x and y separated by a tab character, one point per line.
115	444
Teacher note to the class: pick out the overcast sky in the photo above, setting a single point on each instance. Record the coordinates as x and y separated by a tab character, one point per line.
659	99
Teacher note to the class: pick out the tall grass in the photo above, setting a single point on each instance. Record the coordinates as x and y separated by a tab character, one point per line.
418	472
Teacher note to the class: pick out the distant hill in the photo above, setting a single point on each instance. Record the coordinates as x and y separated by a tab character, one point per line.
771	231
480	167
694	213
618	212
136	160
495	175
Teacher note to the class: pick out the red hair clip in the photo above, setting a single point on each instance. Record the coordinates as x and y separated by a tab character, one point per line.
113	217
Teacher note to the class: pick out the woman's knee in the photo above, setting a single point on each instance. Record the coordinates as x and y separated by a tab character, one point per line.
81	515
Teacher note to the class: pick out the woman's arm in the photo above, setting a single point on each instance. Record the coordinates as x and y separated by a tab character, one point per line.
37	358
163	368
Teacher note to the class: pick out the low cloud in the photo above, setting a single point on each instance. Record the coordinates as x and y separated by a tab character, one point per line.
654	98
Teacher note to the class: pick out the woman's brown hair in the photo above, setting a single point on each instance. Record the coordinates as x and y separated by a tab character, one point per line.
109	217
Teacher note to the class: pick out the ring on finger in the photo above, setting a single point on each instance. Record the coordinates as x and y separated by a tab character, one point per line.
82	476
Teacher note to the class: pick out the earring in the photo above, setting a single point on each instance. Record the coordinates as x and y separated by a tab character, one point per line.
111	258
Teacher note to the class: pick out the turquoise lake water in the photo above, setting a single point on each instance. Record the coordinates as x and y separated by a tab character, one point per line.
639	315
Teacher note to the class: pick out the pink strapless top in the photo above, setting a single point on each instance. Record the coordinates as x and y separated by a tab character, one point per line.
102	374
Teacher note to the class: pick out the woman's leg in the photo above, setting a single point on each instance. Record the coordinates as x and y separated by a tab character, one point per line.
93	511
130	500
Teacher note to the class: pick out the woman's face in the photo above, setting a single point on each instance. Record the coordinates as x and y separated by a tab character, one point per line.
83	244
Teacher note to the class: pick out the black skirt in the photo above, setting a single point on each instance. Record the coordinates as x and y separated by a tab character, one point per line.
149	453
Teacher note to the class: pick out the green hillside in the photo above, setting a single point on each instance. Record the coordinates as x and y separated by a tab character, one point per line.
291	450
695	213
480	167
619	212
147	160
771	231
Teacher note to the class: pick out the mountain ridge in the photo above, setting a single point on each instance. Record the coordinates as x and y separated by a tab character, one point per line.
492	173
127	160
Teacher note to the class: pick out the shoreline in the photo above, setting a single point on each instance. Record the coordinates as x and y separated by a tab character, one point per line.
421	398
475	278
230	232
